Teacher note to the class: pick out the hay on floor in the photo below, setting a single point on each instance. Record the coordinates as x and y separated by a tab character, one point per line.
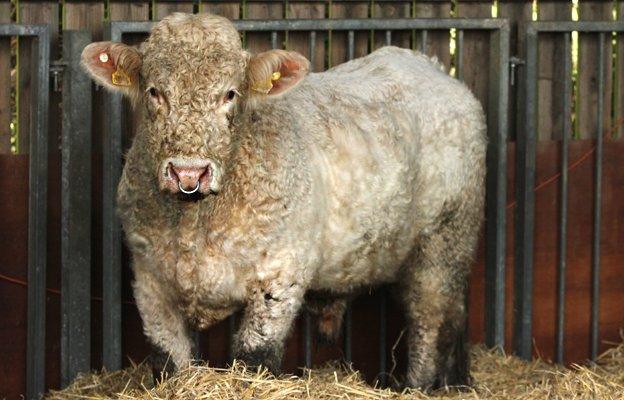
496	376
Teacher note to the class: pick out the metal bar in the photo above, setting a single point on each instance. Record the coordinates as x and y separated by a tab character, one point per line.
459	55
581	26
563	188
351	49
496	188
525	212
339	24
312	58
348	354
231	334
423	41
388	37
595	282
76	211
307	339
111	236
274	40
383	351
37	213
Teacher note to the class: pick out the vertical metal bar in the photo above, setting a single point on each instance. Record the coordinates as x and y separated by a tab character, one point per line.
388	38
111	235
37	218
307	339
563	188
76	211
525	199
383	351
348	354
496	188
312	42
459	55
351	49
274	39
595	287
423	41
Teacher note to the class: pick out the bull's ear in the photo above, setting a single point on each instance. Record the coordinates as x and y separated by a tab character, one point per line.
115	66
275	72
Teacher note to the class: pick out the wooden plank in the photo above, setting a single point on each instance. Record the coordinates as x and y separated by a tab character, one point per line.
518	14
437	41
393	9
476	50
256	41
588	70
339	43
550	73
300	41
165	8
129	11
231	10
5	83
84	15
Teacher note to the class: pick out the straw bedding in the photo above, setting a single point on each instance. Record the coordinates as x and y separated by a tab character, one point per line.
496	376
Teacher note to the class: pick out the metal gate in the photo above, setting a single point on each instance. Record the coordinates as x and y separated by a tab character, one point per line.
525	178
37	202
76	260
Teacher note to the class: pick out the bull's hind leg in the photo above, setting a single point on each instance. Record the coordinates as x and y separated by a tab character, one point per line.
434	296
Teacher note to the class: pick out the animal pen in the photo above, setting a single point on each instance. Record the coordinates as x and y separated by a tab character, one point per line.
550	75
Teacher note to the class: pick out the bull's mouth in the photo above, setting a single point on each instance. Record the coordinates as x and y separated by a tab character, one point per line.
189	179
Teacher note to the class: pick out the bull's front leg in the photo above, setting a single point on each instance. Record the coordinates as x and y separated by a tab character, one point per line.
163	324
271	309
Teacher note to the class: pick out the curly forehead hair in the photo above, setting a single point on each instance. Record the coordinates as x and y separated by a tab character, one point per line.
201	41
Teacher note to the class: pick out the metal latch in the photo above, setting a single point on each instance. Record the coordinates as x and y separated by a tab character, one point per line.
56	70
514	62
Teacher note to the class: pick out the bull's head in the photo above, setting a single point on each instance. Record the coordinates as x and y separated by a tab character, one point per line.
191	78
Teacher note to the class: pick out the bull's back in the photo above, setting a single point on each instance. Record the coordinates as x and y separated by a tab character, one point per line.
384	162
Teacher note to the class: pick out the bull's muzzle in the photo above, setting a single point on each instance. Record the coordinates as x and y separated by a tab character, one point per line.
189	175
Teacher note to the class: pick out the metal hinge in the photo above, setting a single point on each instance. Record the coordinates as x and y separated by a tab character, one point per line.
514	62
56	71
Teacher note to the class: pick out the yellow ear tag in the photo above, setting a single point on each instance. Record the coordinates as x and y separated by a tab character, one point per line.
266	86
120	78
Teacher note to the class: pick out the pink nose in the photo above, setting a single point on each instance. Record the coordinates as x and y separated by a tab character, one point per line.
191	177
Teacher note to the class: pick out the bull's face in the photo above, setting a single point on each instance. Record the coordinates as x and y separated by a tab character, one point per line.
190	78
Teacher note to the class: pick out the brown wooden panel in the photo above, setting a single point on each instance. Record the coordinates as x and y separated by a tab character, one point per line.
299	41
588	70
256	41
5	83
339	39
550	72
231	10
165	8
126	11
476	50
437	41
393	9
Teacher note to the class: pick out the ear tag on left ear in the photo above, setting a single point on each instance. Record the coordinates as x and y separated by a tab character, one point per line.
120	78
266	86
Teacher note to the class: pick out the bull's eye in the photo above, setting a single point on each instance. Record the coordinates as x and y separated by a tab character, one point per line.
230	95
153	92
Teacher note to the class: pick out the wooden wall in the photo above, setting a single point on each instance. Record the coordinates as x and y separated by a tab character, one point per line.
92	16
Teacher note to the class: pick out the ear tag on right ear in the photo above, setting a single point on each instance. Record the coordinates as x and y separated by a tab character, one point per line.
265	87
103	57
120	78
